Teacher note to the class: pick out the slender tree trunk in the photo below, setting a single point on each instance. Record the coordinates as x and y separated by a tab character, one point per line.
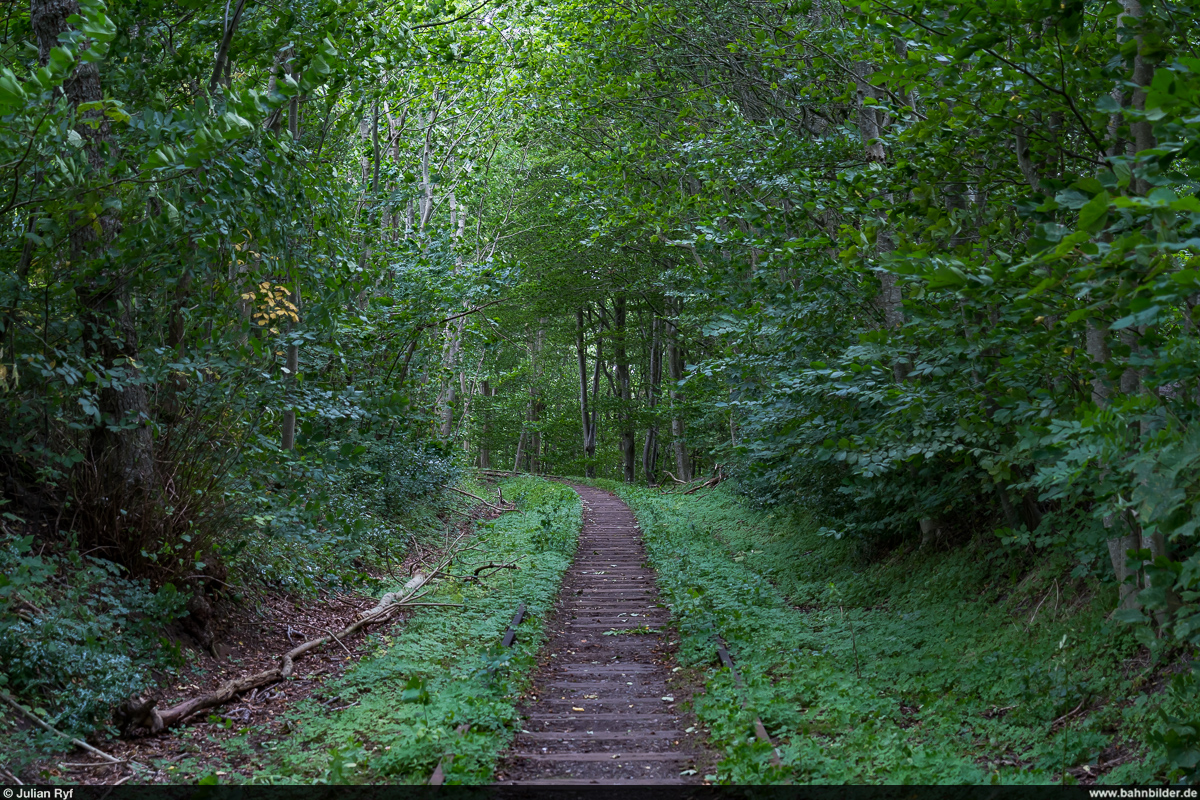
291	367
587	416
683	465
628	457
536	406
221	64
520	451
485	430
650	448
1143	72
288	437
452	349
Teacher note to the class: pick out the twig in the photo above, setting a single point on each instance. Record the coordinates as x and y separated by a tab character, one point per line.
12	777
1039	608
493	565
468	494
34	718
1070	713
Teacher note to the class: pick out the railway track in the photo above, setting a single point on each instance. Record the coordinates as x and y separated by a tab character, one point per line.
601	709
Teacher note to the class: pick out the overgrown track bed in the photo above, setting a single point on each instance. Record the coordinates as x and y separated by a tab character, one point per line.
601	708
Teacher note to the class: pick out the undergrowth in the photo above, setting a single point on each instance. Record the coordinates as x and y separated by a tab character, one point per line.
400	706
79	634
76	638
976	665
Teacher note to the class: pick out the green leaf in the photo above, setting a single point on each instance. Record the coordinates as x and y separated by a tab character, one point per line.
62	60
1147	316
1094	214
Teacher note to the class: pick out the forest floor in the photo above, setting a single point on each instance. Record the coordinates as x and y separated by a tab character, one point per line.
967	664
249	638
382	706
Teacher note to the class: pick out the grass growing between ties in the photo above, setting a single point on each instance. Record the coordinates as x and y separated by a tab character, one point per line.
391	717
969	666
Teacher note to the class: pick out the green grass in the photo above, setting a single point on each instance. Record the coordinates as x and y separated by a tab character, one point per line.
431	673
923	667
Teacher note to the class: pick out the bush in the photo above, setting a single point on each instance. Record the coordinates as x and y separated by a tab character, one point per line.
75	632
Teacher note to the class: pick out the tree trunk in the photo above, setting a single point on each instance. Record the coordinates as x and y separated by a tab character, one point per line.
288	437
650	448
520	451
1143	72
683	465
628	457
291	367
221	65
485	430
587	415
535	403
121	446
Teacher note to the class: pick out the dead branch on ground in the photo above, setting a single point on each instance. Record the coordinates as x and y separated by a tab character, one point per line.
36	720
144	713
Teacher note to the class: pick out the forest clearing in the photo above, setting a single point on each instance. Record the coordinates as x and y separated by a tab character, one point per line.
701	392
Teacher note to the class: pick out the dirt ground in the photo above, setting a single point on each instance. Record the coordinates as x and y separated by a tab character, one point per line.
225	741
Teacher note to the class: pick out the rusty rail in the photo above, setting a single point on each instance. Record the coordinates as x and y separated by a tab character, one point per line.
760	730
438	777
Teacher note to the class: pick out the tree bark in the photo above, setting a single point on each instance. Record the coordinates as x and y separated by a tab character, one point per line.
650	448
520	451
1143	72
683	465
587	416
220	66
121	446
628	457
485	430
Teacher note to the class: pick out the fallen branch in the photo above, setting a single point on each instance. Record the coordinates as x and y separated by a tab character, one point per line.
1069	714
35	719
494	566
708	484
145	714
468	494
501	505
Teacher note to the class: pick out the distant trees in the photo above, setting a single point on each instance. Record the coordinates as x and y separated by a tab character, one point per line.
936	261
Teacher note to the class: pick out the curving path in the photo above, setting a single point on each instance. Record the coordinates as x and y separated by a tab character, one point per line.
601	709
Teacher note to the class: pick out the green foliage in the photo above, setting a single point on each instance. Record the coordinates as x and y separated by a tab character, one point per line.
77	637
955	667
442	666
354	501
